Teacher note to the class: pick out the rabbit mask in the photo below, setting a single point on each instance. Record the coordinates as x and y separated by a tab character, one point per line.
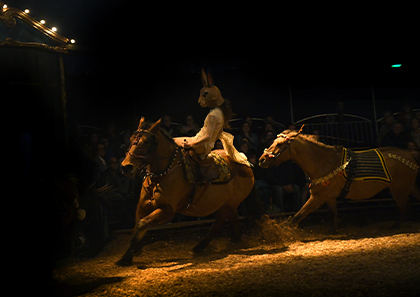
210	95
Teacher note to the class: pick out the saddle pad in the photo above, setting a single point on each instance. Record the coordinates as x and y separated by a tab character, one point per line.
225	173
188	169
370	165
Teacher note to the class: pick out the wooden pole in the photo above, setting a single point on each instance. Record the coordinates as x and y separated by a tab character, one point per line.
64	101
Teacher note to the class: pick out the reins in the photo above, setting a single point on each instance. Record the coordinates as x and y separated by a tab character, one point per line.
271	155
150	136
168	168
153	145
288	139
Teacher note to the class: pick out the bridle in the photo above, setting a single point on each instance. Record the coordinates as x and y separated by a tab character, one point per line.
153	144
288	139
145	157
275	156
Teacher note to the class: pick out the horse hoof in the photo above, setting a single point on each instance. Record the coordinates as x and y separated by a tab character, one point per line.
198	249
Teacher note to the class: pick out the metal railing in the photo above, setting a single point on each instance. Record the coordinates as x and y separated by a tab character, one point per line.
397	114
349	130
257	123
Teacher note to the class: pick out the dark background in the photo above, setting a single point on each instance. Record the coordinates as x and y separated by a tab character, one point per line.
135	59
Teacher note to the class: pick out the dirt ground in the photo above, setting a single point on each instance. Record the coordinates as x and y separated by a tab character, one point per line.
372	260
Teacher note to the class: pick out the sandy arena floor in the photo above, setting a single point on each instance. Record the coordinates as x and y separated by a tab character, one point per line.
373	260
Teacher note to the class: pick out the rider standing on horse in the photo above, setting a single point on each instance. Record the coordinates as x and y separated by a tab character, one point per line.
216	120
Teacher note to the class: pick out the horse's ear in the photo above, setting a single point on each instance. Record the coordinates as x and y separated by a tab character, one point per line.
204	78
210	80
140	123
155	127
300	130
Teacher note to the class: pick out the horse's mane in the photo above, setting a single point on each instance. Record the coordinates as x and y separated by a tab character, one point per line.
310	138
167	135
146	126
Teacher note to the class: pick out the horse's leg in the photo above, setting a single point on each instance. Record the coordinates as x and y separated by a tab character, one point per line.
254	210
332	206
224	213
236	232
159	216
415	191
139	231
135	245
310	205
401	198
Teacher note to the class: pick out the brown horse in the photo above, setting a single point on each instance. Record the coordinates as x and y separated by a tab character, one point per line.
326	165
166	189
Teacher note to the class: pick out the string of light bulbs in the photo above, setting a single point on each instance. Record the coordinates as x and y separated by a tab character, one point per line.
27	11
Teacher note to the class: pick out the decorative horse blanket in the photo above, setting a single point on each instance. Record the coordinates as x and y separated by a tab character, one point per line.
370	166
190	169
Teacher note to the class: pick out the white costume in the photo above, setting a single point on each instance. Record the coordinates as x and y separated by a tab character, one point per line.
212	130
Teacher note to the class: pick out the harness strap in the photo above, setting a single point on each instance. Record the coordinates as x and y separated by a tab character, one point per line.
350	176
325	179
171	166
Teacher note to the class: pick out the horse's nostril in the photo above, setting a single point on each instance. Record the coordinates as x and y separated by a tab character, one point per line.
127	169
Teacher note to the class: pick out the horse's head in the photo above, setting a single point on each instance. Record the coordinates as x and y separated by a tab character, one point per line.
280	150
143	145
210	95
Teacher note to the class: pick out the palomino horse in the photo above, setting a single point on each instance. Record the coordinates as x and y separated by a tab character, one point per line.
325	165
166	189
